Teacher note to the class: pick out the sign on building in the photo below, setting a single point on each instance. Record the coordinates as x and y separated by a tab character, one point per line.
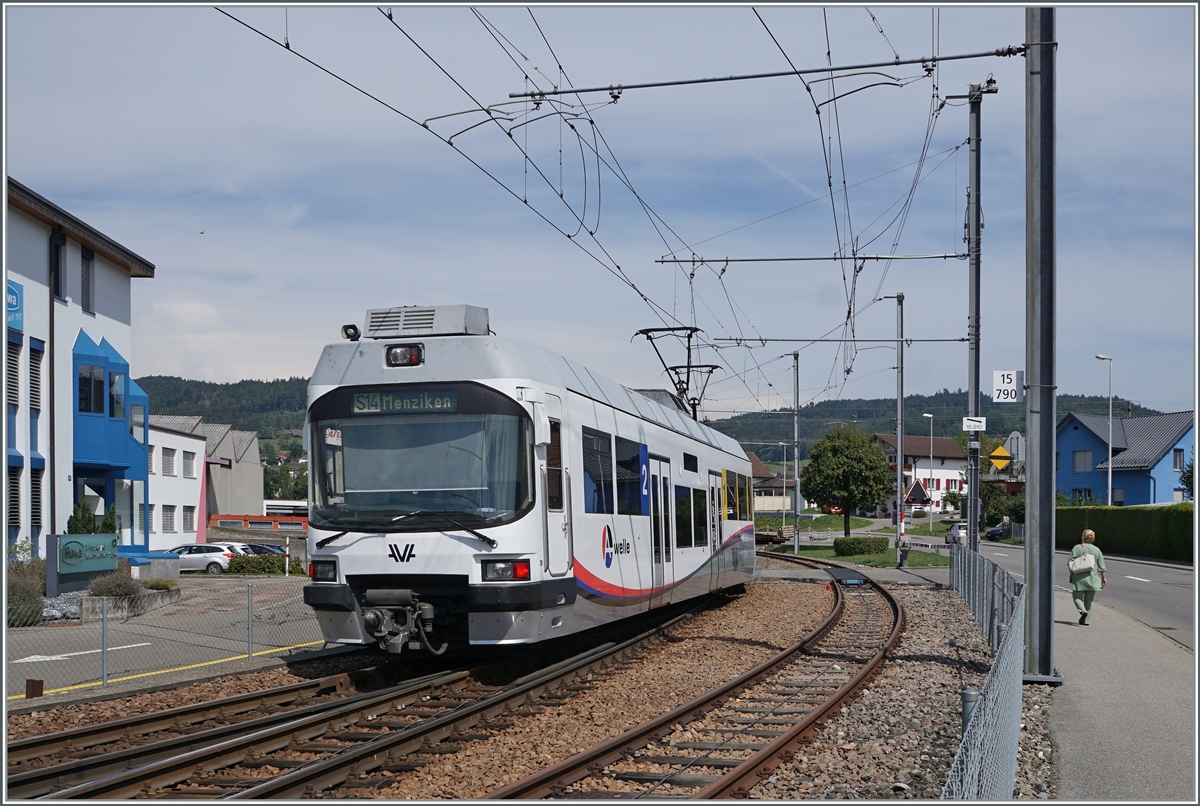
14	295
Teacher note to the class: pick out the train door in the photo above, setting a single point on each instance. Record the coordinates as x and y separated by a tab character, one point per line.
714	525
556	487
661	518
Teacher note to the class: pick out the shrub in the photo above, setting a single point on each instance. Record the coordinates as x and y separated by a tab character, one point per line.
1163	533
854	546
32	572
115	584
24	603
160	584
259	564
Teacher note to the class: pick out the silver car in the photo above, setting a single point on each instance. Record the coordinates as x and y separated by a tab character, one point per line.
211	557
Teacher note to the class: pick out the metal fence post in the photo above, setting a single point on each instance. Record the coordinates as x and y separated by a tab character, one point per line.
250	622
104	641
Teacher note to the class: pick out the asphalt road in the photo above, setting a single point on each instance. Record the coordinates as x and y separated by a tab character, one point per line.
1160	595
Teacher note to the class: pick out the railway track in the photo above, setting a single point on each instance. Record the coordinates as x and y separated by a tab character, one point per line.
315	747
723	743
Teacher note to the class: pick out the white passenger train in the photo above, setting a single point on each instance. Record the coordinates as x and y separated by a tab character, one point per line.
469	490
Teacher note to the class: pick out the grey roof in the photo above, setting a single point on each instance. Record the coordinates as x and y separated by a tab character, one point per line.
48	212
241	441
1148	439
914	445
213	434
180	423
1098	425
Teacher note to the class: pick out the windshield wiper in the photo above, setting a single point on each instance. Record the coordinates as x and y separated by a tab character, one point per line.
448	519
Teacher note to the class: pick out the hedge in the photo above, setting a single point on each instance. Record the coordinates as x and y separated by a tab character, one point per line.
1161	533
264	564
855	546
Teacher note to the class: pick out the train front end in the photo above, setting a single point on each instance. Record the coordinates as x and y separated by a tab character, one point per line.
423	534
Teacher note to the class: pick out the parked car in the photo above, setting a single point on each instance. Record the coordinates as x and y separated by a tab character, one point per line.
956	533
211	557
995	533
264	548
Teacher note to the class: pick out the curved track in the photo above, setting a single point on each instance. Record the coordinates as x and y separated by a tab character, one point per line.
738	734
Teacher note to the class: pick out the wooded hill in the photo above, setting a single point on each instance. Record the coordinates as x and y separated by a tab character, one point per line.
878	415
268	407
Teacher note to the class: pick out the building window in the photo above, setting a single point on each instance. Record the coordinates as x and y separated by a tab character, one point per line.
168	466
168	518
14	497
1083	461
57	242
141	510
137	423
189	519
35	499
189	465
86	285
597	472
1056	461
91	389
1177	460
1081	496
12	389
116	395
35	378
152	529
1118	495
150	459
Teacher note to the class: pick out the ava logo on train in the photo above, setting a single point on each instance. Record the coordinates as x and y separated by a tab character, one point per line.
610	548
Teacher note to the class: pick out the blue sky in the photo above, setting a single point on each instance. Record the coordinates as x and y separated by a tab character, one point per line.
316	203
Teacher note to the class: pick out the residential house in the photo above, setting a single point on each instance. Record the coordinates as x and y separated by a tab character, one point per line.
1148	452
76	421
946	473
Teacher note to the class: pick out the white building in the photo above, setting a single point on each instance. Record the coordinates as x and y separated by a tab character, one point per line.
946	473
76	422
177	463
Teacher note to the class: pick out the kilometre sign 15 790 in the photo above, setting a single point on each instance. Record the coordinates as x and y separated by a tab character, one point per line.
1008	386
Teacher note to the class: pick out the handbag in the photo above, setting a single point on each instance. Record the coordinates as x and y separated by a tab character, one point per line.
1082	564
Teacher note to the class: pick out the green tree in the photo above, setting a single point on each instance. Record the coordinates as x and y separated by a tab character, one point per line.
81	522
846	469
1185	480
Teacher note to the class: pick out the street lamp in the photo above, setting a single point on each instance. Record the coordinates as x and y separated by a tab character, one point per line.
930	487
1109	359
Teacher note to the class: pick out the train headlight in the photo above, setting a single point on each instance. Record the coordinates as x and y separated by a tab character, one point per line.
319	571
405	355
505	570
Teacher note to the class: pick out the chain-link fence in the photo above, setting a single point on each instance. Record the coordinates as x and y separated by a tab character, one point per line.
985	765
215	622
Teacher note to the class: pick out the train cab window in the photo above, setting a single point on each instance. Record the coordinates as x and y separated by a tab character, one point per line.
554	483
597	472
683	517
700	517
629	477
691	463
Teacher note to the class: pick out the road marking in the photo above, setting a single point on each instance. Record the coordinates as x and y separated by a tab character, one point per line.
167	671
1000	554
1139	579
64	656
1061	588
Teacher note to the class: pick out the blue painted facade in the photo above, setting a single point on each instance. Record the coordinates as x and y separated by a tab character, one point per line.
111	427
1156	481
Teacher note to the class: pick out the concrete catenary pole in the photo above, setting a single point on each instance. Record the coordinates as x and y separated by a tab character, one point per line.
795	454
973	249
1040	414
900	491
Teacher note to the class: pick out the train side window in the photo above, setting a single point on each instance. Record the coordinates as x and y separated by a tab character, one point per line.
730	481
554	486
743	484
629	477
683	517
597	472
700	517
691	463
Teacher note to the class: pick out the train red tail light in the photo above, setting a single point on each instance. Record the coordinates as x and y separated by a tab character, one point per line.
505	570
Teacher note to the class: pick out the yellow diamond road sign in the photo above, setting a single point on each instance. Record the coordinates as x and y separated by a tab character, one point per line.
1000	458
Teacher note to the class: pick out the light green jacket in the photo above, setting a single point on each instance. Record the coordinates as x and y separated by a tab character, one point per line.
1089	581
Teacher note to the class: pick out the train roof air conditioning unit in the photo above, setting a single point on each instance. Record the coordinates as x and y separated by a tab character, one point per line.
424	320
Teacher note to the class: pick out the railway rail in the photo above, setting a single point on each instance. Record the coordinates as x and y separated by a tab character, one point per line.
739	733
312	748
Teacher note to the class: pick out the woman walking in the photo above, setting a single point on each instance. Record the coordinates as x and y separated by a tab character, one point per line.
1085	584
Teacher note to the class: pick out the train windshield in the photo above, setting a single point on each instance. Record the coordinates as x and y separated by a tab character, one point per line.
396	463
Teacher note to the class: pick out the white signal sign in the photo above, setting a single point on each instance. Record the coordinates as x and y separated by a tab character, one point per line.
1008	386
974	423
